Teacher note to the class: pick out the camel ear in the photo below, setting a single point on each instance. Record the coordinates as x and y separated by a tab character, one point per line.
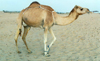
76	6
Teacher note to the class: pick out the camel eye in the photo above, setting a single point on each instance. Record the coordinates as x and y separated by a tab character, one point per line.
81	9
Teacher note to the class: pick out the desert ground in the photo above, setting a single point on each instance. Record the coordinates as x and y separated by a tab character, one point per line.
78	41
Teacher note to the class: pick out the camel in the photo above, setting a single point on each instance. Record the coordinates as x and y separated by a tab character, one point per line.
37	15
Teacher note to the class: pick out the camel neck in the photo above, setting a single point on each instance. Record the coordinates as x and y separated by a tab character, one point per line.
60	20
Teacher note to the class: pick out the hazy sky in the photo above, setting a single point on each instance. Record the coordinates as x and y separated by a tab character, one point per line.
57	5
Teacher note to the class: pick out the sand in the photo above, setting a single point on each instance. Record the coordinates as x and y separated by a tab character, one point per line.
78	41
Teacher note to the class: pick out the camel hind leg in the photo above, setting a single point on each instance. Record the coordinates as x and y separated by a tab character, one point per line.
16	38
19	28
26	29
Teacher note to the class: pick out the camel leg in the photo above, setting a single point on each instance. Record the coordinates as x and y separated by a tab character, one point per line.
26	29
54	39
16	37
45	41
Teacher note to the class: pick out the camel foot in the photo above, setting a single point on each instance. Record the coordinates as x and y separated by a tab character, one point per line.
48	51
30	52
19	52
47	55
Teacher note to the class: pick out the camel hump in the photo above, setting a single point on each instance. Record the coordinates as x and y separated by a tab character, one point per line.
35	2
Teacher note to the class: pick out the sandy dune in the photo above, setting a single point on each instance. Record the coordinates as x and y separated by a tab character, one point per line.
78	41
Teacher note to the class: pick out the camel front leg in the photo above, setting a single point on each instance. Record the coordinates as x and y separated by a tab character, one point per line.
45	41
54	39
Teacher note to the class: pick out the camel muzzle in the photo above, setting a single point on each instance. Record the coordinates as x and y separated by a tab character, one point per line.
88	11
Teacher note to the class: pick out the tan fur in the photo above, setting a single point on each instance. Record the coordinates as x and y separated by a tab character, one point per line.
37	15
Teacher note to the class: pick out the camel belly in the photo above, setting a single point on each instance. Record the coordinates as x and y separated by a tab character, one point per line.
33	23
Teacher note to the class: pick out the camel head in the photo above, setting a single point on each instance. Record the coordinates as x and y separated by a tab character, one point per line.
81	10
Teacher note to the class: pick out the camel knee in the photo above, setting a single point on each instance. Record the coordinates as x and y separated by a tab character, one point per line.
15	40
55	38
23	38
45	42
16	37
